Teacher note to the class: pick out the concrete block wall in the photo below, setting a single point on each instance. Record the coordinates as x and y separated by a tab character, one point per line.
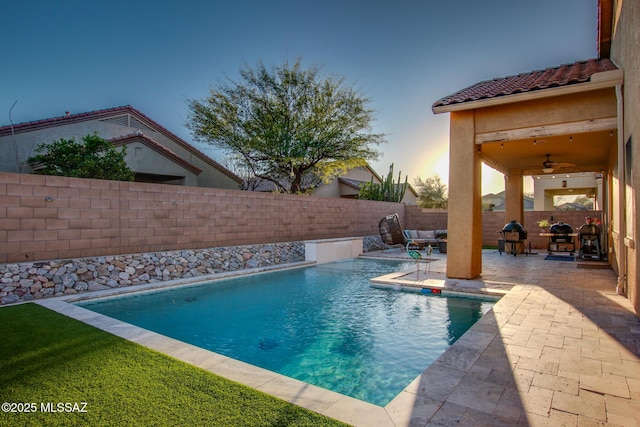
47	217
492	223
418	218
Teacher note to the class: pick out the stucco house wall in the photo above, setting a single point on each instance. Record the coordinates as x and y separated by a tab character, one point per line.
142	159
553	110
624	53
335	188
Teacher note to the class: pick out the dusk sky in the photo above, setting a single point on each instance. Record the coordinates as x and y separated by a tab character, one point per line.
80	56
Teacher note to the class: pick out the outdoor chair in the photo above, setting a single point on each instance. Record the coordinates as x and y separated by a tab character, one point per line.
392	233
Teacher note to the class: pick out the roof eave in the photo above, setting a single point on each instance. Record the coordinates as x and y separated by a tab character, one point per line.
598	81
157	147
348	183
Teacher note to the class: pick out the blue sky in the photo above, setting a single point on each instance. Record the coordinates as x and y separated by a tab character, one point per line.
79	56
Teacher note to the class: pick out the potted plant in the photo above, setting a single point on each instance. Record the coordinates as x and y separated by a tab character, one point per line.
441	235
544	224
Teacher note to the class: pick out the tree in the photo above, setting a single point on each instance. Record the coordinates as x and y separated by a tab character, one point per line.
388	190
432	193
585	201
92	158
287	125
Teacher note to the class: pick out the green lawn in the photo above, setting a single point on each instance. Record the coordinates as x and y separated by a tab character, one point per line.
47	358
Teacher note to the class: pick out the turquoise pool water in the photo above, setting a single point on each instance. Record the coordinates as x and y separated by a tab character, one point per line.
324	325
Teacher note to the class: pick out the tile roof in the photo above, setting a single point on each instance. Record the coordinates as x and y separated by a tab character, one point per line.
567	74
68	119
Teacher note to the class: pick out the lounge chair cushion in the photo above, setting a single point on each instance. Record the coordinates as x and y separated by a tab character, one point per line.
412	234
431	234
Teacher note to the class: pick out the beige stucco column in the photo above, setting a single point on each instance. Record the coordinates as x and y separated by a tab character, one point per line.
464	247
514	197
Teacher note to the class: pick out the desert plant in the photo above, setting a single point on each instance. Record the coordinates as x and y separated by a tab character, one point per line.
287	124
432	193
544	223
388	190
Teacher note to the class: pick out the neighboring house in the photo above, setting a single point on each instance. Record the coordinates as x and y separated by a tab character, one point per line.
496	202
153	153
346	186
572	118
572	207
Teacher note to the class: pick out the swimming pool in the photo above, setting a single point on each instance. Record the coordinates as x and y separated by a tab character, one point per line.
324	325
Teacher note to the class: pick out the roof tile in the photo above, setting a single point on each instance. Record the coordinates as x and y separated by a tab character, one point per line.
567	74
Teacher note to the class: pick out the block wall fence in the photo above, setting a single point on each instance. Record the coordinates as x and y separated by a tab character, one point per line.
48	217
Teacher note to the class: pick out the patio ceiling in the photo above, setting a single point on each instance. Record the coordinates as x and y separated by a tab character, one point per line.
588	151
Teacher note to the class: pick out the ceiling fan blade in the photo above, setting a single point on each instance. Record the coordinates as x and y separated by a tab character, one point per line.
549	165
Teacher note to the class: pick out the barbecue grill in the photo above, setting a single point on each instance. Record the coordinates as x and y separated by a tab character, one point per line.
589	235
561	239
513	237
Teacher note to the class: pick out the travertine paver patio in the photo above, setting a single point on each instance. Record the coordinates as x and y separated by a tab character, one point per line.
560	348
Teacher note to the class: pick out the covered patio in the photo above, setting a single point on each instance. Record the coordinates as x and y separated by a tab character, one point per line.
559	120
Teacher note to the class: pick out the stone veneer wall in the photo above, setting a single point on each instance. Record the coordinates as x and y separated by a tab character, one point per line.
41	279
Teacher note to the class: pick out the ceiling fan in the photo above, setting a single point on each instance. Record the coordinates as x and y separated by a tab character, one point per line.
549	166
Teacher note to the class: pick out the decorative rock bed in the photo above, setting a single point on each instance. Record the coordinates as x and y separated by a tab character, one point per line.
42	279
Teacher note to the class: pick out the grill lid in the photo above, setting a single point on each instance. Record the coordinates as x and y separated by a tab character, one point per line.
509	230
561	228
513	226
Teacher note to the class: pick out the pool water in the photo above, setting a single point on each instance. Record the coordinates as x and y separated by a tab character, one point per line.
324	325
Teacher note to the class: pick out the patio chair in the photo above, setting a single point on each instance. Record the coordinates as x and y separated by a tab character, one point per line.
392	233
